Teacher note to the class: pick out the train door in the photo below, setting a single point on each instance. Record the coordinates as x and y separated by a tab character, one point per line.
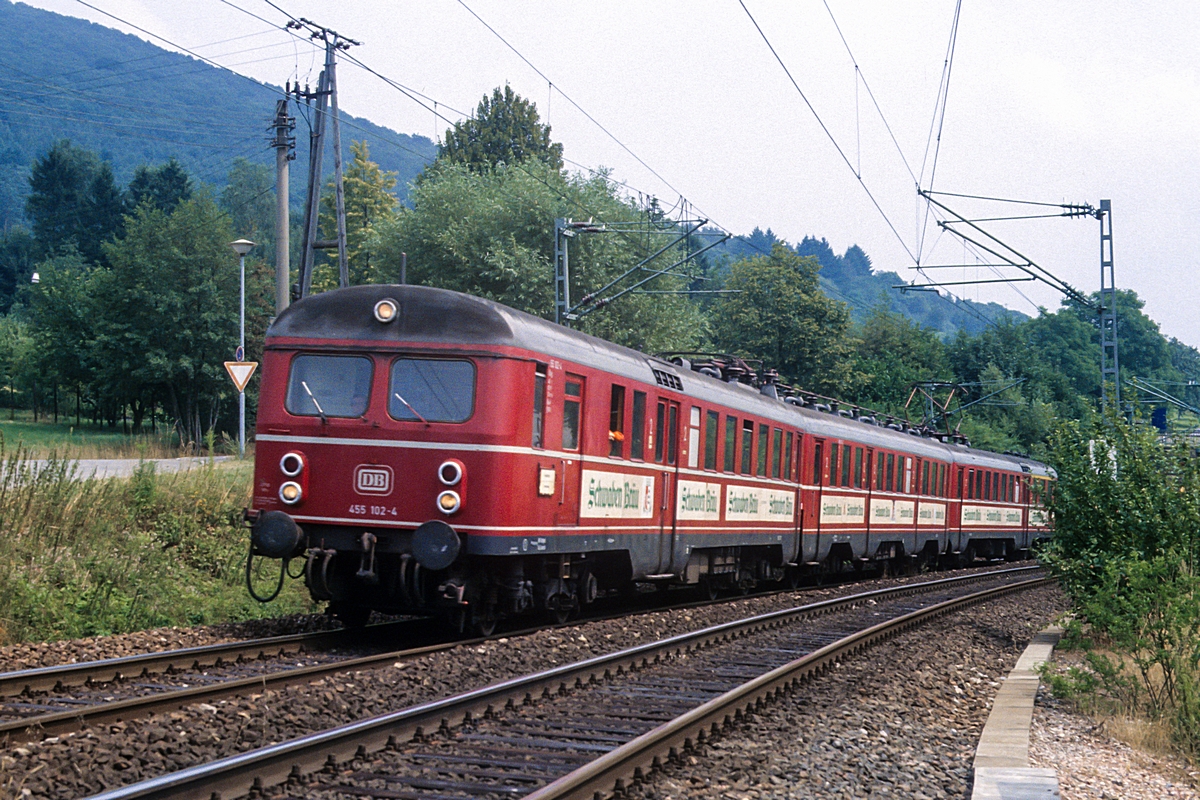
818	482
666	455
959	493
572	442
869	485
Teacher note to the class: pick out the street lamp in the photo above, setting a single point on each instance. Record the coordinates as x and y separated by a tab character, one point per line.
241	247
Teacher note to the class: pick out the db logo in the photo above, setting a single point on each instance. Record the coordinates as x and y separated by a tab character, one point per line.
369	479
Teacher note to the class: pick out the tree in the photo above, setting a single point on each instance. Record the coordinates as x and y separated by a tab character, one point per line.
168	313
163	187
62	317
249	200
491	234
780	314
505	129
892	353
18	252
73	200
369	202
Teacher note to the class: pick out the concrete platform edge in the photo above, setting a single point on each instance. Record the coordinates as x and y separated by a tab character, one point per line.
1001	767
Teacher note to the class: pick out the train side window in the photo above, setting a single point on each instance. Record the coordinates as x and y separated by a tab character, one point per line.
845	465
660	424
989	481
880	470
711	423
693	440
616	422
971	484
891	470
858	468
776	452
764	440
908	475
730	443
925	477
833	464
572	400
539	406
637	439
942	479
672	434
787	458
747	445
818	453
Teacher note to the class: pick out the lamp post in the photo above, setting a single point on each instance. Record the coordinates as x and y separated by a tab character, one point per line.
241	247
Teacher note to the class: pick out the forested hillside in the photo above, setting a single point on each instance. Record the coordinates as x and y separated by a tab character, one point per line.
133	103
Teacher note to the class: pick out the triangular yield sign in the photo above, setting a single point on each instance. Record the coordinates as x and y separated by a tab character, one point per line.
240	372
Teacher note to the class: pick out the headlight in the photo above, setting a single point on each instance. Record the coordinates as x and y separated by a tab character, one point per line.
290	493
448	502
386	310
450	472
291	464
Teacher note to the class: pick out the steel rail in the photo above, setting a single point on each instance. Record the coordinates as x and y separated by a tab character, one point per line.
46	679
237	775
633	761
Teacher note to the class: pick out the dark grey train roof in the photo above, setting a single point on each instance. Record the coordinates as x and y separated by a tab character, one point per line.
446	317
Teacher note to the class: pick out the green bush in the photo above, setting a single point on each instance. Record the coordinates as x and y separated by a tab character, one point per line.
1127	532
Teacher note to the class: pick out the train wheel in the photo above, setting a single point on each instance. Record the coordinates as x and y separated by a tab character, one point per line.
709	589
485	623
791	578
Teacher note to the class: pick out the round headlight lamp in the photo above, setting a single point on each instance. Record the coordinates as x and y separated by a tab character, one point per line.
448	502
290	493
292	464
450	472
386	310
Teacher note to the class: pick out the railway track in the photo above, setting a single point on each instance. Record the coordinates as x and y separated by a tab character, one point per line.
52	701
575	730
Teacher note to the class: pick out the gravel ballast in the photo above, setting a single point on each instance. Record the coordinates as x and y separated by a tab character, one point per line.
99	759
900	720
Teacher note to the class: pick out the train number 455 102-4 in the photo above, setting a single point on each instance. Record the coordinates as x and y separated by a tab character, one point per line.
374	511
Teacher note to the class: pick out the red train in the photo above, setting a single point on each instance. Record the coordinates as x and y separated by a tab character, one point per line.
427	450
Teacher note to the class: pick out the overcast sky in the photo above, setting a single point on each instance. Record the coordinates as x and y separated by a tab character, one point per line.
1052	102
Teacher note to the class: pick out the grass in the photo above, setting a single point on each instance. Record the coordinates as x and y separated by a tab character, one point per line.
86	557
65	439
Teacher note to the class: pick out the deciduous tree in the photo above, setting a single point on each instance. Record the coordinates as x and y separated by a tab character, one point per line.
505	129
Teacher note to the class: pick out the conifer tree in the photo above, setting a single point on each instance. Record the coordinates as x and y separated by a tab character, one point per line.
505	129
369	203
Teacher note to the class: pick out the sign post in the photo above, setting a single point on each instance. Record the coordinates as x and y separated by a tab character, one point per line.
241	247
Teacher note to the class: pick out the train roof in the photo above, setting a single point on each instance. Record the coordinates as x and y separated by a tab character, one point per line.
441	316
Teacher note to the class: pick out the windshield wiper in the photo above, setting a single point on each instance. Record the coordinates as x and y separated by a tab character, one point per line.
312	397
410	408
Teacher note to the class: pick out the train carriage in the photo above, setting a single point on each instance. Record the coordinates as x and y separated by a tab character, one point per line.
422	449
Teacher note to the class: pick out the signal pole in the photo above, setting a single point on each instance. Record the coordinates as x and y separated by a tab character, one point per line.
284	144
1109	363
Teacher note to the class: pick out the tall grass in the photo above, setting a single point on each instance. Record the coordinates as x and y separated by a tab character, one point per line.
82	556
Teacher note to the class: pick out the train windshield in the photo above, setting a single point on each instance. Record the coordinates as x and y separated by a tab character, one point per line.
431	390
329	386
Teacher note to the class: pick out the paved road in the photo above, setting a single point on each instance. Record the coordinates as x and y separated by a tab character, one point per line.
124	467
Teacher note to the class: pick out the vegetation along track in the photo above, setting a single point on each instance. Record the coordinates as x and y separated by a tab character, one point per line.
577	729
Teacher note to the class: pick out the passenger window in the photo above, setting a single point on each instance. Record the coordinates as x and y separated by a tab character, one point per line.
764	440
693	437
616	422
858	468
891	472
573	397
637	440
730	443
817	465
711	423
539	406
925	477
833	465
777	451
660	423
908	475
845	465
787	458
880	469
